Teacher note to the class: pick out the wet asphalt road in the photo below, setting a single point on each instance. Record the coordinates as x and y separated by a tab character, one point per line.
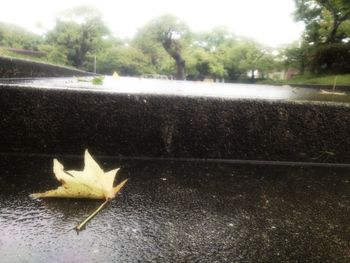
179	212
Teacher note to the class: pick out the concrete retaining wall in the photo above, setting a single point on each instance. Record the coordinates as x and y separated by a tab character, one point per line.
21	68
53	121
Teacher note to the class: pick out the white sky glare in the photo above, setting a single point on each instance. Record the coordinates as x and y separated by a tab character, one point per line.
268	21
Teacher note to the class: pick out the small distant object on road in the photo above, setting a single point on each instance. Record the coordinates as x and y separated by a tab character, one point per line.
115	75
155	76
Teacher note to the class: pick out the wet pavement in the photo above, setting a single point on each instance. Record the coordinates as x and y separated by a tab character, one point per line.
179	212
156	87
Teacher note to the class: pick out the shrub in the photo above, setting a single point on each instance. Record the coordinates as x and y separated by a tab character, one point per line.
331	58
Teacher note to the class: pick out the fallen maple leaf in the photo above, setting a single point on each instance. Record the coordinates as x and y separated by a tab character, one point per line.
92	183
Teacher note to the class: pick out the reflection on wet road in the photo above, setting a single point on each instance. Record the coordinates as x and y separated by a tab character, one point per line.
127	85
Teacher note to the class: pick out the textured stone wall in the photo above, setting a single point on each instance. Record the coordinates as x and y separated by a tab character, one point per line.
53	121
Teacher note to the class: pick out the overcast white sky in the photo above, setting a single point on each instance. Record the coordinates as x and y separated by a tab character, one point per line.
268	21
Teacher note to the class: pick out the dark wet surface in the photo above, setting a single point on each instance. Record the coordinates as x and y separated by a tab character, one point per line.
127	85
179	212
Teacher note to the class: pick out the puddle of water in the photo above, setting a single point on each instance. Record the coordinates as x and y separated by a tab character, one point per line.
182	211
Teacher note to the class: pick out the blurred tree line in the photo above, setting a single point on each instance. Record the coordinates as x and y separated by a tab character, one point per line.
164	46
167	46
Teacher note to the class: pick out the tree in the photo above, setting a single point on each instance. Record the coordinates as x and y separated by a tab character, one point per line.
212	40
327	30
79	31
173	35
295	55
323	19
243	56
201	64
55	54
339	11
126	60
159	60
209	55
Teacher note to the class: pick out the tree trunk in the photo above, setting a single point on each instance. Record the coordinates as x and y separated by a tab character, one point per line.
333	34
176	55
253	76
180	69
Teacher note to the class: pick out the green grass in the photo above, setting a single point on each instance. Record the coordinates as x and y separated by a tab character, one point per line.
314	79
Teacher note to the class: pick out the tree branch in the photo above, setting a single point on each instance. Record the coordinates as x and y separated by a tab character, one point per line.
345	16
328	5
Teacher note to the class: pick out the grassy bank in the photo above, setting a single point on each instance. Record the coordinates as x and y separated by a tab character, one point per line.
8	53
312	79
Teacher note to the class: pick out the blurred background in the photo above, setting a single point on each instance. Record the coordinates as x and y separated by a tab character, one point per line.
272	41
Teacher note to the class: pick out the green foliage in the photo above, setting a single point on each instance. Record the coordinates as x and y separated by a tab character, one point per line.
98	80
127	61
296	56
55	54
324	20
173	35
214	54
16	37
212	40
246	56
79	31
327	28
157	58
202	64
163	46
331	58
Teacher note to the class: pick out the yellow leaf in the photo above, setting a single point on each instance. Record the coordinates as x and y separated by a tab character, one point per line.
91	183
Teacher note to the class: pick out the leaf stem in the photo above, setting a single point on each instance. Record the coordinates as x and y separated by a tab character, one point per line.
83	223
